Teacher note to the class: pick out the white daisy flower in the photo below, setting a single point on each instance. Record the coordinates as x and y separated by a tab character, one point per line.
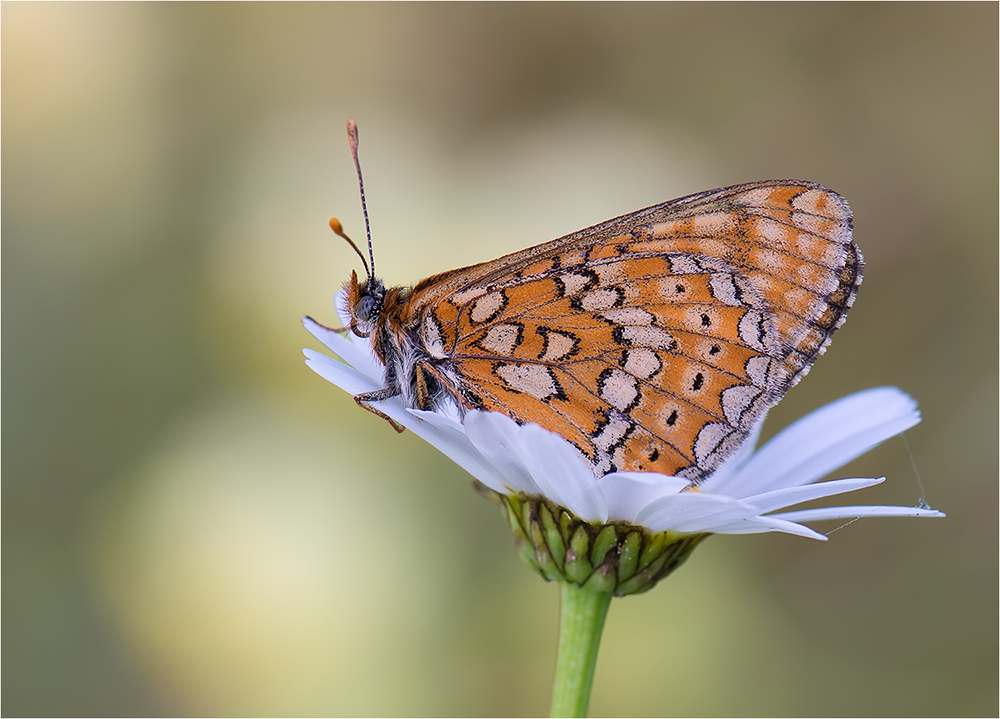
744	496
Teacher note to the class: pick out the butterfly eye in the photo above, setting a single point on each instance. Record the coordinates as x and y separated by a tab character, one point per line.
365	308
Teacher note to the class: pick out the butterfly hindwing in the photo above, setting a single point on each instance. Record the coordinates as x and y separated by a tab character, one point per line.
656	340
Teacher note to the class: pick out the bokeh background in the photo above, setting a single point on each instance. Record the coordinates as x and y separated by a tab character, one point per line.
195	524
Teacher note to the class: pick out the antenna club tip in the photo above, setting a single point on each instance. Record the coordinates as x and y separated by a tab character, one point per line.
352	131
336	226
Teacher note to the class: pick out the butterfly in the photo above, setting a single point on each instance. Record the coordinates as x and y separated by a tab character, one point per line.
654	341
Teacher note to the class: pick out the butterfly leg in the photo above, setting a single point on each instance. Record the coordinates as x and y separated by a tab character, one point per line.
424	372
365	399
332	329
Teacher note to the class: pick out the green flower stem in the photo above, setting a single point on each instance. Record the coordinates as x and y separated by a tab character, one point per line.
583	613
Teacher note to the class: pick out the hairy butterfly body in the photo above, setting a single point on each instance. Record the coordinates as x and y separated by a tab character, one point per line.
654	341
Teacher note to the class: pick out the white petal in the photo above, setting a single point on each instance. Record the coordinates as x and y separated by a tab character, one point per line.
781	498
561	473
340	374
357	354
810	515
693	512
442	422
628	492
496	436
822	441
450	437
756	525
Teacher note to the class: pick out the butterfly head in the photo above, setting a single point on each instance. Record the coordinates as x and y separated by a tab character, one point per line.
364	303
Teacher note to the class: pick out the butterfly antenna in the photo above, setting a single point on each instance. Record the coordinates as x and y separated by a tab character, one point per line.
339	230
352	134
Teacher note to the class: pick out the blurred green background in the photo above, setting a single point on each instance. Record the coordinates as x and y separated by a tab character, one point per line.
194	523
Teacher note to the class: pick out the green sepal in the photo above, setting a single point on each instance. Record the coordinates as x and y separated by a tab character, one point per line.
566	523
606	539
522	544
652	549
668	559
578	566
603	579
543	557
553	539
628	561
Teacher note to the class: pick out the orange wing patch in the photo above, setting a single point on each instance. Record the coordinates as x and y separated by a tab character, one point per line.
654	341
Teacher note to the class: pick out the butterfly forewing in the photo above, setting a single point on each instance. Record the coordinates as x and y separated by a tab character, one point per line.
656	340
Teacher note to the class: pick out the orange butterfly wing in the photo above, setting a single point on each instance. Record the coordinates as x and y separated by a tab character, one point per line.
656	340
